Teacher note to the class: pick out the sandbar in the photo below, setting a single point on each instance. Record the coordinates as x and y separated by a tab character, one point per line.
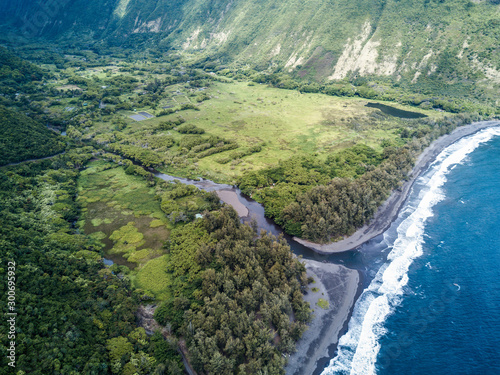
230	197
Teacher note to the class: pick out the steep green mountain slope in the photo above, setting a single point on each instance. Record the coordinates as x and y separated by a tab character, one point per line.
22	138
15	73
414	42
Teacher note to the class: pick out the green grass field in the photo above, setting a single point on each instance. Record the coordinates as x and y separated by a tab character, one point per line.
121	212
286	123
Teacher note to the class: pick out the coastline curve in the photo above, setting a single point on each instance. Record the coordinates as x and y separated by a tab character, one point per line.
389	210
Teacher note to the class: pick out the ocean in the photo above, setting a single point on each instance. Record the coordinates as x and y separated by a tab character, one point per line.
433	307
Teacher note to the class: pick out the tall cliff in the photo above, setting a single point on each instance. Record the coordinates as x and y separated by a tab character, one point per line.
316	39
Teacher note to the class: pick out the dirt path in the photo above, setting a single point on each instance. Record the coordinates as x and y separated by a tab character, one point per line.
25	161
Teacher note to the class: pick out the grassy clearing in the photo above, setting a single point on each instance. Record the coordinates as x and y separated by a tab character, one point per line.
285	123
153	277
322	303
122	213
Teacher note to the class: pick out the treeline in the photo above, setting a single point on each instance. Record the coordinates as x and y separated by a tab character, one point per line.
327	212
146	157
237	297
322	201
22	138
73	314
362	87
239	154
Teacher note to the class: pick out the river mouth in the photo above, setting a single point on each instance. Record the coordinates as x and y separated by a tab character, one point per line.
250	210
393	111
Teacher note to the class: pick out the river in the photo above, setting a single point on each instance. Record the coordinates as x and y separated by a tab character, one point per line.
367	260
255	210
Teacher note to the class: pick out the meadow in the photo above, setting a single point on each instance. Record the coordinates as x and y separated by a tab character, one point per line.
121	213
281	123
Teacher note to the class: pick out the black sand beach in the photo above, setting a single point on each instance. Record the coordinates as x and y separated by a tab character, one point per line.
388	212
338	286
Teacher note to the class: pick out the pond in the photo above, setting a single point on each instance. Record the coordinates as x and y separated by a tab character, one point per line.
393	111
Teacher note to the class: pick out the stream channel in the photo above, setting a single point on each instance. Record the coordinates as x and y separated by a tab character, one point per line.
254	210
367	259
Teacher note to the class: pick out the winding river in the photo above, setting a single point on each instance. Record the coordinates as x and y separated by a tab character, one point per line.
249	209
367	259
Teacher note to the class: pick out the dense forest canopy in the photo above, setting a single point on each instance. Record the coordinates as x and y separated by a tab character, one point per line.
16	72
23	138
242	295
273	104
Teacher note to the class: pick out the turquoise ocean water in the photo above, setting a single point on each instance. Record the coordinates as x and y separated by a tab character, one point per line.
434	305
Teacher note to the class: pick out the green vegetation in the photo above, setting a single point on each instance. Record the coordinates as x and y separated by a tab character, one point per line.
232	290
153	279
22	138
246	128
16	75
278	145
265	104
323	304
76	314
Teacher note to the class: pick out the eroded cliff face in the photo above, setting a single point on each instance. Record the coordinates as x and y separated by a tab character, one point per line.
318	39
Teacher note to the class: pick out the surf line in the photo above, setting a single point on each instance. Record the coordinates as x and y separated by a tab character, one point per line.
359	347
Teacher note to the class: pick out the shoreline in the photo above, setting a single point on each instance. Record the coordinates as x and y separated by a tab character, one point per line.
340	287
389	210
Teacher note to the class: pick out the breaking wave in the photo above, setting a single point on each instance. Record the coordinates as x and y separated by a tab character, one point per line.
359	347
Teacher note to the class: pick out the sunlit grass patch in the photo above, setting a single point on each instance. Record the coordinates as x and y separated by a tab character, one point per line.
323	304
127	234
98	235
157	215
96	222
153	277
87	254
156	223
144	255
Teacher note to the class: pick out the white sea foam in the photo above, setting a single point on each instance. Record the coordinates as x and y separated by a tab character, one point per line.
359	347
